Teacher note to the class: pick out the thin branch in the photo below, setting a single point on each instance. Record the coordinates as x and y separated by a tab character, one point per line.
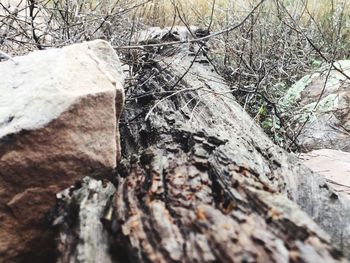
3	54
211	16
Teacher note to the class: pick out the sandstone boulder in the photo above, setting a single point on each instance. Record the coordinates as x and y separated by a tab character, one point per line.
324	102
59	111
333	165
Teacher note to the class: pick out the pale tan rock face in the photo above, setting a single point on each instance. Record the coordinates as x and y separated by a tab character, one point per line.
333	165
59	111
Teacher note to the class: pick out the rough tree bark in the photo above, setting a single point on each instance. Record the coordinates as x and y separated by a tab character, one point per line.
200	182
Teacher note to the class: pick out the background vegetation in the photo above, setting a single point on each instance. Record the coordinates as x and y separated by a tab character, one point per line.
277	42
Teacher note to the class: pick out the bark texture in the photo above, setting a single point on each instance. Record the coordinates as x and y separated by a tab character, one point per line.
200	182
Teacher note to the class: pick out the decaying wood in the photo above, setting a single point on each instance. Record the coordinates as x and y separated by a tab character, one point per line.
200	182
81	209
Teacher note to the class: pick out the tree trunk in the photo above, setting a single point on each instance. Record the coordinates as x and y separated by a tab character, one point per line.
199	181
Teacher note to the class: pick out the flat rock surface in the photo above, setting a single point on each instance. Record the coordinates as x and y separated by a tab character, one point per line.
333	165
59	113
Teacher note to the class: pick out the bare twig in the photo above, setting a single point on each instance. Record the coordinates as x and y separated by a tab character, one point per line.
3	54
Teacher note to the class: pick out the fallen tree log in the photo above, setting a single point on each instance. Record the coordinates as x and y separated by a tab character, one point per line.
200	182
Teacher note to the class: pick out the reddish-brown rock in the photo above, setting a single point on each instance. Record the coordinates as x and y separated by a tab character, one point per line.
59	111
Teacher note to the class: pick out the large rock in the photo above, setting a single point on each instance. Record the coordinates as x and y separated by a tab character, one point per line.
59	111
328	124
